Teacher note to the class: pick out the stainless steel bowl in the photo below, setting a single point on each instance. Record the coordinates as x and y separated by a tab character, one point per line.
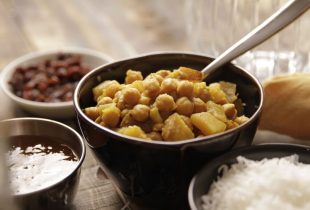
61	193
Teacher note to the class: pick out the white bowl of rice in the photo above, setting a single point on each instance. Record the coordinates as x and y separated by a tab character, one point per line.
269	177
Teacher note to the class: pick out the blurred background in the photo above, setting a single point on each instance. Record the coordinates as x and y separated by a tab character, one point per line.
119	28
123	28
213	26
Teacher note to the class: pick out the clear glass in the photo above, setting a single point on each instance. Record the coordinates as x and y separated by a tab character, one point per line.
214	25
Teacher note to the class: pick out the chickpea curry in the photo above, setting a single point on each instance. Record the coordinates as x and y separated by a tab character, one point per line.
166	105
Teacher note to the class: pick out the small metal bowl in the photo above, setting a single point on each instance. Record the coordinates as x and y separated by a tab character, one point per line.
52	110
156	174
61	193
201	182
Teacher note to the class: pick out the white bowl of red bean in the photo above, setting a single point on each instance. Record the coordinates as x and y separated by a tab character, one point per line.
42	83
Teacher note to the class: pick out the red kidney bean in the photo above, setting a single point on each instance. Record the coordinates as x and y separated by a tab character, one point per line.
51	80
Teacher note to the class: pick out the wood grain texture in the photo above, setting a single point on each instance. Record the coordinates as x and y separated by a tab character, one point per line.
12	41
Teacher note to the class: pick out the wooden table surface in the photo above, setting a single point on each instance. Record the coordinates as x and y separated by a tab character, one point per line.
118	28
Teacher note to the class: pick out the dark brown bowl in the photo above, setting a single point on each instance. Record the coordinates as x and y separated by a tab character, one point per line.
155	174
201	182
58	195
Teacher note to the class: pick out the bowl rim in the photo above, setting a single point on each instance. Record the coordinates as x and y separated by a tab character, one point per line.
135	140
80	161
224	159
9	68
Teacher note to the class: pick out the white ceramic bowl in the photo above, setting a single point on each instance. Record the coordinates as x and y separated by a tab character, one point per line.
54	110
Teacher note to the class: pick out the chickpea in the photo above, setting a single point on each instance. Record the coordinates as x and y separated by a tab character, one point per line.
169	85
155	76
131	96
184	106
199	105
175	74
138	84
156	136
92	112
144	100
165	103
158	78
185	88
120	104
104	100
151	87
132	76
110	115
140	112
112	89
163	73
161	106
100	90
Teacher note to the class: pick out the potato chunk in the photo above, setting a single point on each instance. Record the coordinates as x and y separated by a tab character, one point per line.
176	129
231	124
217	94
230	90
190	74
134	131
230	110
242	119
216	110
207	123
155	115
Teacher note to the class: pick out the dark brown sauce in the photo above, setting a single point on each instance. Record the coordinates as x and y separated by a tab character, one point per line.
36	162
50	144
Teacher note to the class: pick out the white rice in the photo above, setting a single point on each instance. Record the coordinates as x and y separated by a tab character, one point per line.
33	172
269	184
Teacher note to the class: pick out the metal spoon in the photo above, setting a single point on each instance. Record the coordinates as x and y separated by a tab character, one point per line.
283	17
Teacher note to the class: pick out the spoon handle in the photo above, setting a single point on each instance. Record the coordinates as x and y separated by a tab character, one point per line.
284	16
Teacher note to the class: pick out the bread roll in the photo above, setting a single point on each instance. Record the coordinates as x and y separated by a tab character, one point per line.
287	105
